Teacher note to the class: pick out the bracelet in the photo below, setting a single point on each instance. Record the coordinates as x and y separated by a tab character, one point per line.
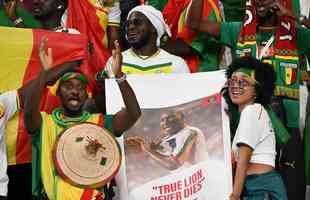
18	21
121	79
101	75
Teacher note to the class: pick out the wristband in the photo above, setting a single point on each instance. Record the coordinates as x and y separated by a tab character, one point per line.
17	21
101	75
121	79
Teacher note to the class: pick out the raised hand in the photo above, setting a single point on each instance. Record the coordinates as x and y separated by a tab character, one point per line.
46	59
10	9
281	10
117	60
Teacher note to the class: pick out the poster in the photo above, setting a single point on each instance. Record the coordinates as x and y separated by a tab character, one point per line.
179	149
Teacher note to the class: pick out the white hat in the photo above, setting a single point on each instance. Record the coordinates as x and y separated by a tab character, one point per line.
155	17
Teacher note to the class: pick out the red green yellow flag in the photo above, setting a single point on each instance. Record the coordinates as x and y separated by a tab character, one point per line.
91	19
175	14
20	63
290	75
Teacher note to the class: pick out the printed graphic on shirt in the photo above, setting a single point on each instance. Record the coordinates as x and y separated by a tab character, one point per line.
129	68
268	54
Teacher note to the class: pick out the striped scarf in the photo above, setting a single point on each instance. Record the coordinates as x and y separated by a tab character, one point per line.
285	57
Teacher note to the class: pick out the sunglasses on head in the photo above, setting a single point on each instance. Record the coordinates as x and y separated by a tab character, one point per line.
241	83
134	22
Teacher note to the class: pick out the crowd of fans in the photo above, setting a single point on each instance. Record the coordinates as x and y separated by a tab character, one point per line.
267	40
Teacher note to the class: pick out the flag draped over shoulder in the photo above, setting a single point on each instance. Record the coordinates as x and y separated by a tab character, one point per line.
175	15
91	19
20	63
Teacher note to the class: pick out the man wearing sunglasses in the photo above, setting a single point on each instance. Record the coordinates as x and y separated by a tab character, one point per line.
144	28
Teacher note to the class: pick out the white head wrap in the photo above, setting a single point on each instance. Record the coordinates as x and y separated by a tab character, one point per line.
155	17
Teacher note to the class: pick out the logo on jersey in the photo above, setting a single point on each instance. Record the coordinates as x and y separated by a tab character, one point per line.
288	72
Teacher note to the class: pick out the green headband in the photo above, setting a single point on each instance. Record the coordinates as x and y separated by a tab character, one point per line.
76	75
67	76
249	72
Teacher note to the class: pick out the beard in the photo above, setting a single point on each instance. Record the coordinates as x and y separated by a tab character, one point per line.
73	112
141	42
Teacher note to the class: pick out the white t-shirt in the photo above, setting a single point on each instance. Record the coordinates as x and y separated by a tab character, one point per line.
174	145
160	62
8	107
256	131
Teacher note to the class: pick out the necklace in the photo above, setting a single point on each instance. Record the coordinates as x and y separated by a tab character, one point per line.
66	121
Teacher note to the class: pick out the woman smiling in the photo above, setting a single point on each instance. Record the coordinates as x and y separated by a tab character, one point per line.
250	88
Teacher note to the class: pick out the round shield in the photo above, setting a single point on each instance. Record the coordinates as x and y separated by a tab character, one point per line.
87	155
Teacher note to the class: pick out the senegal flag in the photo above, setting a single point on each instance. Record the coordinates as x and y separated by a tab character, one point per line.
290	75
206	58
20	63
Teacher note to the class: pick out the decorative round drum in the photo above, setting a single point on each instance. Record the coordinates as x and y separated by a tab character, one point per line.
87	155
